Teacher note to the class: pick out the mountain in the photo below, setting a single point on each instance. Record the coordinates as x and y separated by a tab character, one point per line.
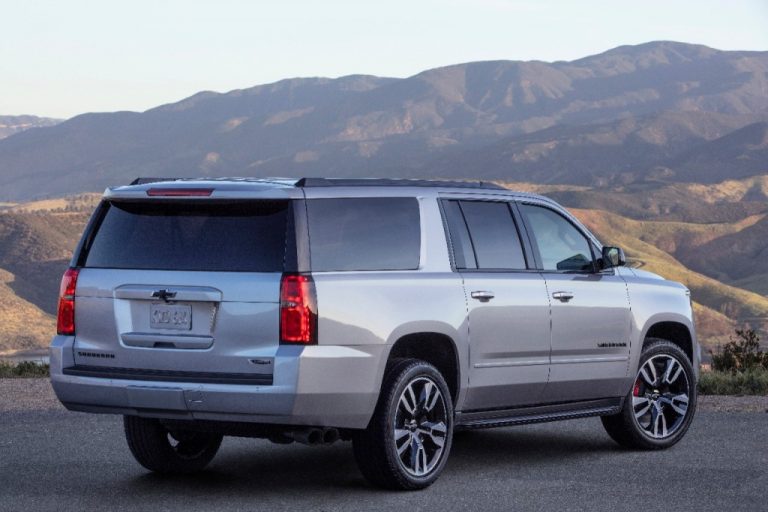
662	111
739	154
687	146
15	124
739	258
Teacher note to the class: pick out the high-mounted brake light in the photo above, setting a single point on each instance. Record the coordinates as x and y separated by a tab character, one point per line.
179	192
298	309
65	319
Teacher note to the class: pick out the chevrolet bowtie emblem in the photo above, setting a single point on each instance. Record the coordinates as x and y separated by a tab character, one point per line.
164	295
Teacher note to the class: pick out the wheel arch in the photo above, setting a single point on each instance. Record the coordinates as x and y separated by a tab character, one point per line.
436	348
674	331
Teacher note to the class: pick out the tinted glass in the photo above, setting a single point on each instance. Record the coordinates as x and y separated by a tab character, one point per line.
247	236
494	235
560	244
364	233
463	255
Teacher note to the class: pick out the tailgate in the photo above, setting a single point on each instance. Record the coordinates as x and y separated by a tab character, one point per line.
186	322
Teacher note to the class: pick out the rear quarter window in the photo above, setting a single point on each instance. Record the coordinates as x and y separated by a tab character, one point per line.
372	233
248	236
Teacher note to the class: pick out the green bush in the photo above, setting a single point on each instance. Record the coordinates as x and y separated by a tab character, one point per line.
741	354
749	382
9	369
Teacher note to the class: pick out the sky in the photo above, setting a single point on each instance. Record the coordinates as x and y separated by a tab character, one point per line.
62	58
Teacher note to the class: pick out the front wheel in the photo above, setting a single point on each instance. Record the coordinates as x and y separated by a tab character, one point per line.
164	451
659	408
408	439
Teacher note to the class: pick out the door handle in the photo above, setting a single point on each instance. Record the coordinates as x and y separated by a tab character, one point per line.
562	296
482	296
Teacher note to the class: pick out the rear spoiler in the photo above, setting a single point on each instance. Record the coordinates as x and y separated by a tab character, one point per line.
144	181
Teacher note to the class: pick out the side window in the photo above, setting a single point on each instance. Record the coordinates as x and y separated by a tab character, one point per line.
561	246
369	233
494	237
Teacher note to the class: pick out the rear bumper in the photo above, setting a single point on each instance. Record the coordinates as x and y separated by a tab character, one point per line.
321	385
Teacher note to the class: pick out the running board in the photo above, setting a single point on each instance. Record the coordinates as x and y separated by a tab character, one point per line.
537	414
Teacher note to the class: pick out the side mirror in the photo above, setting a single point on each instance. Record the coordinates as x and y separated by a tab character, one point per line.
613	257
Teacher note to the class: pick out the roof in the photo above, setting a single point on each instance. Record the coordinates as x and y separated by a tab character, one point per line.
288	188
336	182
240	188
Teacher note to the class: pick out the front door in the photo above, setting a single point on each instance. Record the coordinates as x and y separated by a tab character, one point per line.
590	311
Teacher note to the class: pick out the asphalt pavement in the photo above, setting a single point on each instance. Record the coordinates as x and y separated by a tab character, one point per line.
59	460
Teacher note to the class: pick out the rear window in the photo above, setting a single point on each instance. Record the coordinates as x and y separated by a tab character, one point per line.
239	237
381	233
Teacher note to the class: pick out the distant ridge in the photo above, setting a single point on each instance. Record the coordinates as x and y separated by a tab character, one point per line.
659	111
15	124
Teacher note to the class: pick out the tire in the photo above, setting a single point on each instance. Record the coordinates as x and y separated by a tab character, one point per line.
659	408
162	451
408	440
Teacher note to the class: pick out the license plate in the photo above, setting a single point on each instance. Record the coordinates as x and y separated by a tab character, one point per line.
165	316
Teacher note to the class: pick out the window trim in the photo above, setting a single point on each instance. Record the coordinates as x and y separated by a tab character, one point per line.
534	246
449	238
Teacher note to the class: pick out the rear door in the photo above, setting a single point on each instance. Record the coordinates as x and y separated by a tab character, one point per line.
508	306
590	310
174	288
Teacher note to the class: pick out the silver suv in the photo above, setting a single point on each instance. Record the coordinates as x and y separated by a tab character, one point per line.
391	313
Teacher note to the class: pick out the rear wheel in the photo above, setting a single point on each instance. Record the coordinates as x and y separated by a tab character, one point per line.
408	439
163	451
660	406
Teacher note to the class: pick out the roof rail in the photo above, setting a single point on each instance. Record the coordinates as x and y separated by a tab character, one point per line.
144	181
392	182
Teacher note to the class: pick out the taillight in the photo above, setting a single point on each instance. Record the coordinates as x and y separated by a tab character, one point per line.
298	309
65	321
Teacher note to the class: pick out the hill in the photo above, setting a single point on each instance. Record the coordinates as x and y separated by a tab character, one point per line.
660	111
669	146
24	326
719	230
720	307
15	124
709	237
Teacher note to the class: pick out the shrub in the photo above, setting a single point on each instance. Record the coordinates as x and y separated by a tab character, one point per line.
741	354
23	369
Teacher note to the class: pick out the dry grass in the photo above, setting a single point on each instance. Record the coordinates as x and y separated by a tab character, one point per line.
731	191
23	326
79	202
